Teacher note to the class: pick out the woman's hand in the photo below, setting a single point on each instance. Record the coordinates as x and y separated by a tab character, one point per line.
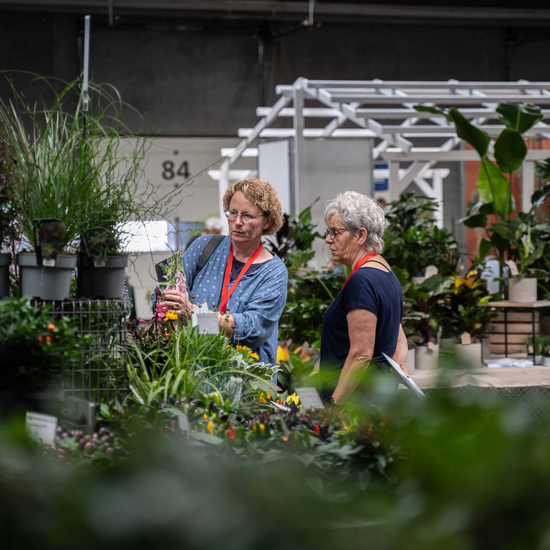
176	301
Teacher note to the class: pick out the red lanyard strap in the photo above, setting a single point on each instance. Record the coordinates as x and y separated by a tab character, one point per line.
226	294
359	264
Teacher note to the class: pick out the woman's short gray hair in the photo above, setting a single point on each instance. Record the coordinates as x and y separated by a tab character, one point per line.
356	210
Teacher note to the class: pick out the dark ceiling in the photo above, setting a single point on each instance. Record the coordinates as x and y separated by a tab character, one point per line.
496	12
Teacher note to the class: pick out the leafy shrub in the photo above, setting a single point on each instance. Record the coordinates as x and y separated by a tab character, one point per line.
36	346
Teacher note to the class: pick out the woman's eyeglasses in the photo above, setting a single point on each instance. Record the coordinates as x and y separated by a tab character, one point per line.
333	232
232	215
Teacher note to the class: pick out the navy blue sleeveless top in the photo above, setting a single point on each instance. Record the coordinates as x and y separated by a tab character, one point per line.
374	290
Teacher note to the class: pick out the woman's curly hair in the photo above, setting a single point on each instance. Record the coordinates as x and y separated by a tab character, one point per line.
262	194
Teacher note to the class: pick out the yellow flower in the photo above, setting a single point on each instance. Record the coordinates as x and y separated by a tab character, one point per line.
205	416
264	397
253	355
262	427
282	354
294	398
210	428
170	316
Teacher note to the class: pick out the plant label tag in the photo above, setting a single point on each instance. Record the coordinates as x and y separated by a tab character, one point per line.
309	398
48	262
79	413
514	272
183	423
208	323
41	427
99	263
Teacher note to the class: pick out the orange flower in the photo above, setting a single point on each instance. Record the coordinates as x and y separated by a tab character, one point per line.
210	428
48	338
230	431
51	326
40	339
316	429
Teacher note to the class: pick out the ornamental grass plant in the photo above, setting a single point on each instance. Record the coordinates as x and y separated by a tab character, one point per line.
73	161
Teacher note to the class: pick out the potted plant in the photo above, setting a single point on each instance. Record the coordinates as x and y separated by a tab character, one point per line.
425	319
507	233
467	315
539	347
545	349
413	241
54	170
73	174
36	350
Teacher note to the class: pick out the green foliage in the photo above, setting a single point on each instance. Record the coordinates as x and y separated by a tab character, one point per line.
74	164
294	240
510	235
36	347
297	372
472	467
182	362
464	309
413	241
8	228
308	297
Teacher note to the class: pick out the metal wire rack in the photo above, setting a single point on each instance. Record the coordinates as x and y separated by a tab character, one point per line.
101	375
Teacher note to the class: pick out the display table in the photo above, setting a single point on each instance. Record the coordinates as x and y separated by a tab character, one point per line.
506	306
484	377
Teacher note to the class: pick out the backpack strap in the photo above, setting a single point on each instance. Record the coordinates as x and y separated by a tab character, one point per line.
211	245
208	250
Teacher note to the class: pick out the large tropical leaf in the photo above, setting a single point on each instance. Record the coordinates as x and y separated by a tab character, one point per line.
510	150
494	187
477	138
519	116
484	248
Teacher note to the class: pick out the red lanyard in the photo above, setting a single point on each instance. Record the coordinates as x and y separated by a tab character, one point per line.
359	264
225	293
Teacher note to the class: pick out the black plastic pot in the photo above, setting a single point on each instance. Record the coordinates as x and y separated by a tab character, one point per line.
45	282
5	262
101	279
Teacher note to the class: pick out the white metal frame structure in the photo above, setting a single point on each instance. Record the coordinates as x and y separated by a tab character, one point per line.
412	142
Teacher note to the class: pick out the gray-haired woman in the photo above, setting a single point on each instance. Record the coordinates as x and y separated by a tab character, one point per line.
364	321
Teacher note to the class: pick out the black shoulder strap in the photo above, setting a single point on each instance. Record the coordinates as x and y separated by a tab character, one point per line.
211	245
377	262
208	250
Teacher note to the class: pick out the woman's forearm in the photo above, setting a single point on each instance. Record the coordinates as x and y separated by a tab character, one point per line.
355	366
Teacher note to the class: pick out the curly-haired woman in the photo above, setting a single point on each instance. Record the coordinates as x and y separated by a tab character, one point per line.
242	281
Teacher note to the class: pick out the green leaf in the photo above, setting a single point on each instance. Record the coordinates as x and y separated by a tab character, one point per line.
504	231
206	438
542	168
494	187
519	116
540	196
484	247
477	220
477	138
510	150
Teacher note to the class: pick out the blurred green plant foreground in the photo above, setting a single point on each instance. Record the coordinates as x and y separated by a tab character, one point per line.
465	472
